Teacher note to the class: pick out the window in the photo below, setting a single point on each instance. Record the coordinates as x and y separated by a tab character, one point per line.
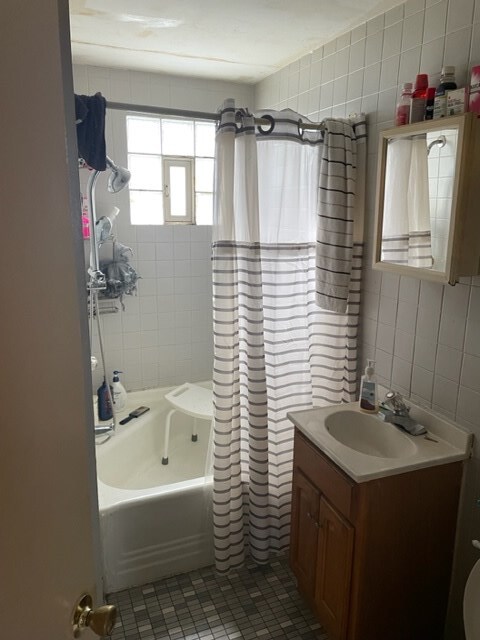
172	165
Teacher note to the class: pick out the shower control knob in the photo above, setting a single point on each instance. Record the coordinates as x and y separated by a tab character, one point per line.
100	620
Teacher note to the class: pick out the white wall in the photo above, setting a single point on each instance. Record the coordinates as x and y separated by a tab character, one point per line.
424	337
441	170
164	336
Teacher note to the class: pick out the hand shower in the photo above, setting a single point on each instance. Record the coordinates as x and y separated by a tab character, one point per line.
104	226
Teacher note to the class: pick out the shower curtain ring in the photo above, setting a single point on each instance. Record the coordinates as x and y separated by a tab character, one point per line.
265	132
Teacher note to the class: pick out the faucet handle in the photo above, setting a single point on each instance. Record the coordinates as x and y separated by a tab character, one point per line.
394	400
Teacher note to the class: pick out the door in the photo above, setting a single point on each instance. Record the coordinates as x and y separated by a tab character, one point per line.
334	570
304	532
49	532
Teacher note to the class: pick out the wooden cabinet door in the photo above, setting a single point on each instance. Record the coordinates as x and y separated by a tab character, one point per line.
304	532
334	569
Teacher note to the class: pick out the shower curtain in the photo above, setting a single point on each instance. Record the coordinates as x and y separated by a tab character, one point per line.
406	233
275	349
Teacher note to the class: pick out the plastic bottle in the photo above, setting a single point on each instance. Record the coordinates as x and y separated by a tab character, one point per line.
419	98
447	83
85	218
104	405
119	392
402	112
430	103
368	389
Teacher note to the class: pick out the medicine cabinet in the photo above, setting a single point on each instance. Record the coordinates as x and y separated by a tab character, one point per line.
428	199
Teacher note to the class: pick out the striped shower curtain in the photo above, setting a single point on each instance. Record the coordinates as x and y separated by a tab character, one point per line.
275	349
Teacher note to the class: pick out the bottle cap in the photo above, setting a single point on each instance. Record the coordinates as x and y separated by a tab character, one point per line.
421	81
370	368
431	93
407	86
448	71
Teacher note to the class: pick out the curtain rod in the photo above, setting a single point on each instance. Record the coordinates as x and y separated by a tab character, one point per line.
196	115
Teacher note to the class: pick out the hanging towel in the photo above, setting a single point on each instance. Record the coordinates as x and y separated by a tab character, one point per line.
90	119
335	220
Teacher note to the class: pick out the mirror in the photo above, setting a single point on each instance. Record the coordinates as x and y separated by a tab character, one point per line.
424	192
419	176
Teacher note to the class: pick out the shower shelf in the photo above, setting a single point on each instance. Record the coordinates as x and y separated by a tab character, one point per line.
104	307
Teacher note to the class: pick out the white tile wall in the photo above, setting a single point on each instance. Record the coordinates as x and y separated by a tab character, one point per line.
164	336
425	337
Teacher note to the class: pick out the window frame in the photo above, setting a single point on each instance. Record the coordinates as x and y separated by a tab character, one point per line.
188	162
167	161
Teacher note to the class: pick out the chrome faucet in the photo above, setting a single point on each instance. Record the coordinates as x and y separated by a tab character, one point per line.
394	410
101	430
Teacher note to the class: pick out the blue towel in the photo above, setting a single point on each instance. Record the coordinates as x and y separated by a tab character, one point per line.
90	118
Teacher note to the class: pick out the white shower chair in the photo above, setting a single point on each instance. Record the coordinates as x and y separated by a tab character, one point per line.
193	400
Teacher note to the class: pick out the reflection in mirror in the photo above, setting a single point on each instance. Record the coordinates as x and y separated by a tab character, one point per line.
419	178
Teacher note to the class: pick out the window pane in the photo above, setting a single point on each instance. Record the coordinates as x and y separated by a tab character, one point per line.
204	175
204	208
205	139
146	207
143	135
178	192
177	138
146	172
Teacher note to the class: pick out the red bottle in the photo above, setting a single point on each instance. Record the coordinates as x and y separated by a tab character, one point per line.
419	98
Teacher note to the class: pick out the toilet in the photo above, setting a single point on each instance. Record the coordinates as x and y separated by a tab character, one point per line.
471	603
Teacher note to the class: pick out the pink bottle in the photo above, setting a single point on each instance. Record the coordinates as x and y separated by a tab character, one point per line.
402	112
85	218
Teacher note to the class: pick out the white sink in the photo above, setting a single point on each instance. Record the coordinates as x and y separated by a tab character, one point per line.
366	434
366	447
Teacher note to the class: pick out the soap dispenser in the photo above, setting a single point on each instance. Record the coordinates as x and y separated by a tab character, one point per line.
368	389
119	393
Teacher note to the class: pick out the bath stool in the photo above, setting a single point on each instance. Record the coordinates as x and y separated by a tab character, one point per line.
193	400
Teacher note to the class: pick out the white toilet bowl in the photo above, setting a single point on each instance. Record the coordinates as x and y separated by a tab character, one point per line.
471	604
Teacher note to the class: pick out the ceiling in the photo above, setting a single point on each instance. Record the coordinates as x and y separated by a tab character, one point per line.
221	39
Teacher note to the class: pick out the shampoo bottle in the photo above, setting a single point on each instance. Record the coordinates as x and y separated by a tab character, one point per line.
368	389
119	393
104	406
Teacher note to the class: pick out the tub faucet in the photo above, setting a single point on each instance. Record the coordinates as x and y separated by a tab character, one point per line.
101	430
394	410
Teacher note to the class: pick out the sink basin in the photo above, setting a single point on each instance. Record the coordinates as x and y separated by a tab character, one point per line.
365	447
367	434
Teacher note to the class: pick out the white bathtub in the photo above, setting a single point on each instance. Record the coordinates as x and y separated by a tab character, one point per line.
156	520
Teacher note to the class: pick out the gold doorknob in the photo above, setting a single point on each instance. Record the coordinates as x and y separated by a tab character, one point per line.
100	620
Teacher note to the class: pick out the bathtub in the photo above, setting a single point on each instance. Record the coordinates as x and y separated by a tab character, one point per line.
155	520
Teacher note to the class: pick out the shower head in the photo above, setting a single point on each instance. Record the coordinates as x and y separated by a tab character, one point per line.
119	178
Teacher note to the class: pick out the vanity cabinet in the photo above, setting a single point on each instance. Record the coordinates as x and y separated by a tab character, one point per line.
373	559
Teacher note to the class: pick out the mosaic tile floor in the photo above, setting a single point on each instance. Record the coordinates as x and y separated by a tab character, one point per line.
253	602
